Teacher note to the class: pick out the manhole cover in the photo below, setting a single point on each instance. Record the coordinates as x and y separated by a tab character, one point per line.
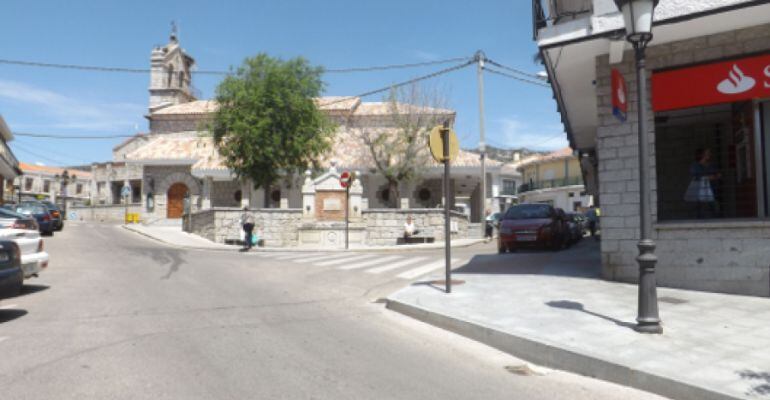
671	300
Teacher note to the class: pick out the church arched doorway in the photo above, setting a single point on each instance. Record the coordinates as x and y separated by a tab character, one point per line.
175	200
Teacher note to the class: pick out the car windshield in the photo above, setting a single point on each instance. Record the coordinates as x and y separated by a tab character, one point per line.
31	209
529	211
5	213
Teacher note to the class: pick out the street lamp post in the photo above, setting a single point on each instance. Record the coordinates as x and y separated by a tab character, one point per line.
637	15
64	179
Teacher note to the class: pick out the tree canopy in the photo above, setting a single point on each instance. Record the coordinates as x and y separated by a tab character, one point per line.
268	125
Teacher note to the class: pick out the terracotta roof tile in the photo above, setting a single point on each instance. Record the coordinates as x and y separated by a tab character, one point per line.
26	168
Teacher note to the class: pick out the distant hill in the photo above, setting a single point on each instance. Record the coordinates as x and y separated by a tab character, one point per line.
507	155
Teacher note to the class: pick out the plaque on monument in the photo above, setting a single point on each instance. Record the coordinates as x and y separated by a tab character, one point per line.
332	204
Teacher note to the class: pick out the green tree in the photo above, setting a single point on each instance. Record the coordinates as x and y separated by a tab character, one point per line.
267	125
399	144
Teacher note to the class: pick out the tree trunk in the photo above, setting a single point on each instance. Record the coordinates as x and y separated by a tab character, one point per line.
267	191
395	196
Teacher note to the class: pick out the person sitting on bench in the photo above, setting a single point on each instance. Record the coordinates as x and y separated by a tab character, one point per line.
409	229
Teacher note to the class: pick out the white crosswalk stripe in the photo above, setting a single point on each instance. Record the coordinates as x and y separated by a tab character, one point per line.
396	265
292	256
415	272
331	256
344	260
369	263
8	307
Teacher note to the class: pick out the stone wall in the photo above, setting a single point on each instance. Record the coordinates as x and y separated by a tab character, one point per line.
278	227
694	255
102	213
385	226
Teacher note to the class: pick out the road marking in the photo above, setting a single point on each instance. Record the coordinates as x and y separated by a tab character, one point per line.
395	265
415	272
297	256
343	260
331	256
8	307
369	263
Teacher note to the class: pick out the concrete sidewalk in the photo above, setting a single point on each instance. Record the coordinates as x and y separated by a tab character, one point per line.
714	346
174	236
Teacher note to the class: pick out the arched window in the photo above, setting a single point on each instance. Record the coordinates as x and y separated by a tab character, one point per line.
170	76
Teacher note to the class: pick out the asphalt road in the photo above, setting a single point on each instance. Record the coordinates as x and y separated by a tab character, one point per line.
118	316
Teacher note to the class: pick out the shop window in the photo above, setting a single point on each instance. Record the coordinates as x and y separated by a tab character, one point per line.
706	162
509	187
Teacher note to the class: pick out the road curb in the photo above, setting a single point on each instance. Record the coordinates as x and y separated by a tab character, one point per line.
300	250
552	356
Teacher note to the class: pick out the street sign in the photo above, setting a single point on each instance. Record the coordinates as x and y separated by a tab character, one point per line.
436	144
346	178
126	191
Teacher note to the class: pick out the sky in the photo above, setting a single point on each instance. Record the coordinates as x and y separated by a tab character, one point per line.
332	33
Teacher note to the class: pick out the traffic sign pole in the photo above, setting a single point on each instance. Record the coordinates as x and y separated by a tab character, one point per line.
445	135
347	216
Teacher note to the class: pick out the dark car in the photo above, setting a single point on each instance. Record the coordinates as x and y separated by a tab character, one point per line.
11	275
12	220
576	225
40	213
532	225
56	215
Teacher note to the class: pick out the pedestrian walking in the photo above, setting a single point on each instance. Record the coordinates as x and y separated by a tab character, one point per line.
489	228
247	222
592	215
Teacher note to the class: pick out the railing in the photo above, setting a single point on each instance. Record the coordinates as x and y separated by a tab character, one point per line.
549	184
553	11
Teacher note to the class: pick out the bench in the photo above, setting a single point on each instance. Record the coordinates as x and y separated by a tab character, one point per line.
415	239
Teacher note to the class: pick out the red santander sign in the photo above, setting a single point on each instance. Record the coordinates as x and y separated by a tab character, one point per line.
702	85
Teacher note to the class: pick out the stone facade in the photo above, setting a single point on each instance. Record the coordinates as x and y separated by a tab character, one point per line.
104	213
720	256
385	226
277	227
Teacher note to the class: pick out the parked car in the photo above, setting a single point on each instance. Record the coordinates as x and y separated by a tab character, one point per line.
12	220
576	225
11	275
33	259
56	215
532	225
40	213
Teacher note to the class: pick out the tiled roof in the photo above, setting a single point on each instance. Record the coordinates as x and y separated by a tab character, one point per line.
553	156
31	168
190	108
129	140
166	147
327	103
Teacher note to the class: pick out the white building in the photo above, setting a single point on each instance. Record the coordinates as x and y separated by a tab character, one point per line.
707	69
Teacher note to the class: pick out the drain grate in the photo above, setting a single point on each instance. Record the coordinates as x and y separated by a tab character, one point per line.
671	300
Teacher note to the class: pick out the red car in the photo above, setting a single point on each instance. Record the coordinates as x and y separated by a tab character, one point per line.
532	225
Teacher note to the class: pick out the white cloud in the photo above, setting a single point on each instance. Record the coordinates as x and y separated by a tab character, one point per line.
425	55
63	112
514	132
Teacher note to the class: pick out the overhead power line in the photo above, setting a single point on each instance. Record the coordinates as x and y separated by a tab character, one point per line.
514	70
404	83
50	136
214	72
520	79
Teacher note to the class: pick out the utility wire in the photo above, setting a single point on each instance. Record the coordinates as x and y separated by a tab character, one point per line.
400	84
514	70
24	149
49	136
213	72
516	77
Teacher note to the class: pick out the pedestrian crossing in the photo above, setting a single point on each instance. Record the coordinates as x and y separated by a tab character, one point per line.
399	266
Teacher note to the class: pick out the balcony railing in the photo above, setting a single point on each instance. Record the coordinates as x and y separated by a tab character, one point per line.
550	184
546	12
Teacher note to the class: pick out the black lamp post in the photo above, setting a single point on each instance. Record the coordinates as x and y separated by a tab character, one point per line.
637	15
64	179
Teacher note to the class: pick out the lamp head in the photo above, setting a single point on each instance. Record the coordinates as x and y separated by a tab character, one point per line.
637	15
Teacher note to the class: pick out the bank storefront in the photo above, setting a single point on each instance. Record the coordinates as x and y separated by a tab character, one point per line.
710	99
